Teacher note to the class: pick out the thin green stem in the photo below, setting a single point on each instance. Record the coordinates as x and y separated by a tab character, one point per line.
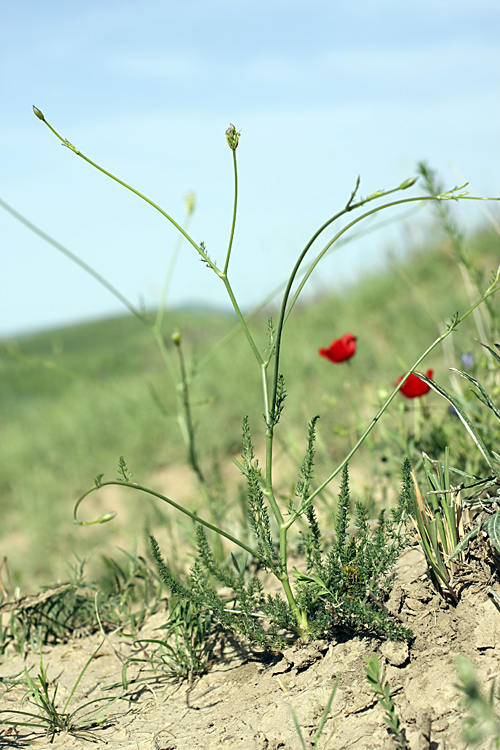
350	206
169	364
82	672
171	266
327	247
109	516
492	289
69	145
186	401
269	491
231	237
299	614
241	319
285	312
97	276
222	275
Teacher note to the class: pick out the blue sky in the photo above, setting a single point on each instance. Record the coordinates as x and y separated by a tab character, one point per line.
322	92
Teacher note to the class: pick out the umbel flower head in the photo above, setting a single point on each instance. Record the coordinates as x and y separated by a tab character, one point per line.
341	349
414	387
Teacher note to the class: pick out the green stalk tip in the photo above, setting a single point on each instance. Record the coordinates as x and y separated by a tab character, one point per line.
190	203
233	137
408	183
38	114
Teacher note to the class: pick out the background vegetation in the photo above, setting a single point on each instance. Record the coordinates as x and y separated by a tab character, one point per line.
73	400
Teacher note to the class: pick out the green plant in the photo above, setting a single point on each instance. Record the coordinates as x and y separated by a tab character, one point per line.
42	696
50	616
486	319
346	588
185	649
126	598
441	530
342	590
322	722
130	592
115	366
270	520
382	690
483	720
438	519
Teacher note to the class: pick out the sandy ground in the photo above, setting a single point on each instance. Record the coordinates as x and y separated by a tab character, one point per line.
246	699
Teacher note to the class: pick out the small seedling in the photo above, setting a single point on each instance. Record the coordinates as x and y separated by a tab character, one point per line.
322	722
185	650
42	696
382	690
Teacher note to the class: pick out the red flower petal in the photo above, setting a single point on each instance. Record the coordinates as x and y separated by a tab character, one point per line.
341	349
414	387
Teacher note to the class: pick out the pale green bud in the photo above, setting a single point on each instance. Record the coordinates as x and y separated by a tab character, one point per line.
190	203
232	137
38	114
106	517
408	183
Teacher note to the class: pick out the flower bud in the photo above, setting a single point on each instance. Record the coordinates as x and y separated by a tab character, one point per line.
190	203
106	517
232	137
176	338
38	114
408	183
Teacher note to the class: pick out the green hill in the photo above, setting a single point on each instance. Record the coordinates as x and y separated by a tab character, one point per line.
73	400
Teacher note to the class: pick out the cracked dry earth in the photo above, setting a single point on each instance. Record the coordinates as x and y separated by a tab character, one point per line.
245	701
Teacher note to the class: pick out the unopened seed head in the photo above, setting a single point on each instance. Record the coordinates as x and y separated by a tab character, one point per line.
233	137
408	183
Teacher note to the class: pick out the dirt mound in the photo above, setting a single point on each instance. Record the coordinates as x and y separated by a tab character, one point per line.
245	701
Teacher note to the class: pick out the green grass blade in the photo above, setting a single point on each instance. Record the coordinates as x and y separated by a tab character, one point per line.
493	529
298	730
464	542
325	713
91	657
484	398
466	422
493	353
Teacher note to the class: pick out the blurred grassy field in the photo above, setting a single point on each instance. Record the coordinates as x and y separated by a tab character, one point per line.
73	400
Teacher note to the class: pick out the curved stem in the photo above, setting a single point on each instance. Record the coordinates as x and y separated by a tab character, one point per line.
69	145
193	516
350	206
285	311
345	229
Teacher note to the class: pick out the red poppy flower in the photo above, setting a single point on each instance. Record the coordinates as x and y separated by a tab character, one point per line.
414	387
341	349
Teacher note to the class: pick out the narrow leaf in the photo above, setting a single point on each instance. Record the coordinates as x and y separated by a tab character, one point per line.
466	422
493	529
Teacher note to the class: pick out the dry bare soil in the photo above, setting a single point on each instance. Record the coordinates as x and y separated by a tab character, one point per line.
245	701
